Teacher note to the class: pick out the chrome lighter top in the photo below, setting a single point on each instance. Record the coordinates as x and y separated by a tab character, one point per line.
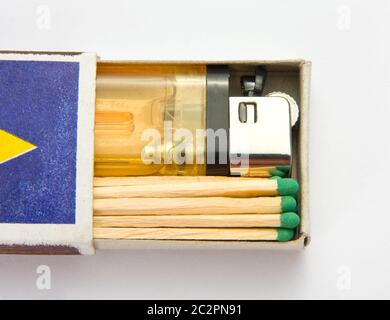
260	135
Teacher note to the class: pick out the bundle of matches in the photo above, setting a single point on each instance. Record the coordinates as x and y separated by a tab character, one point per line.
195	208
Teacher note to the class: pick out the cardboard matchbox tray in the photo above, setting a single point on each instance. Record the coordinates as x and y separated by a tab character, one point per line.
26	91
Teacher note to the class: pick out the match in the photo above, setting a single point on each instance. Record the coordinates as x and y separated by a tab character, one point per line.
225	234
287	220
195	187
204	205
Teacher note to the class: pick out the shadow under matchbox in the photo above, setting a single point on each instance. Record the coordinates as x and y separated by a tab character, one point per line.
131	154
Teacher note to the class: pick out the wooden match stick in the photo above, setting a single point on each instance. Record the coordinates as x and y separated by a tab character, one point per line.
242	188
217	205
254	234
150	180
287	220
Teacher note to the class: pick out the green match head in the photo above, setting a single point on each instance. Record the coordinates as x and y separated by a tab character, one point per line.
285	235
288	204
285	169
275	172
276	178
287	187
289	220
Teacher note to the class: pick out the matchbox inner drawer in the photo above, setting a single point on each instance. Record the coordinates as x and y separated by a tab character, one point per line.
291	77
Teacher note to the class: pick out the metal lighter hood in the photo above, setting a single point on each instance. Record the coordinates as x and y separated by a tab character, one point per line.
260	134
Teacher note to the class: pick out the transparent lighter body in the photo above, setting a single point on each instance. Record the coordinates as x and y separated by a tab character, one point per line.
133	101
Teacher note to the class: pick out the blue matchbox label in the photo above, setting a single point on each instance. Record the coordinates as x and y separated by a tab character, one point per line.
38	141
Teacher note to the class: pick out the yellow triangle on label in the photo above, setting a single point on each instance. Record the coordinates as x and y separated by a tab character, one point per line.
12	147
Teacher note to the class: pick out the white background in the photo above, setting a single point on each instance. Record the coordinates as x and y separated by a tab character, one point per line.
348	43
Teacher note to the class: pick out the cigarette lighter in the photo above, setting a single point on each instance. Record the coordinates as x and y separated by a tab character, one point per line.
189	120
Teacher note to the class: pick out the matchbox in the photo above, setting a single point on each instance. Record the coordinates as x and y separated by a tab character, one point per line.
50	152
